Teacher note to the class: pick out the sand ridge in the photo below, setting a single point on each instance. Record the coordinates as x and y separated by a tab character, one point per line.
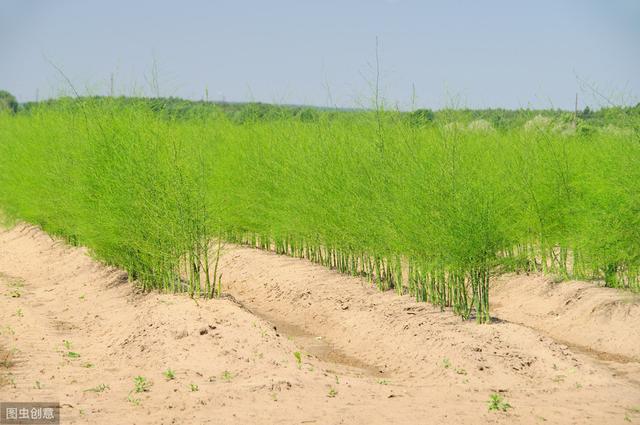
599	320
367	357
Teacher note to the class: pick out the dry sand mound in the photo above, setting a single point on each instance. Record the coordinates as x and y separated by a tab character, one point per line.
366	357
601	321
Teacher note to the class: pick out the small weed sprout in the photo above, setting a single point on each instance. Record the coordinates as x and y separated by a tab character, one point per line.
97	389
194	388
497	403
169	374
332	392
227	376
631	411
135	401
298	357
446	363
141	384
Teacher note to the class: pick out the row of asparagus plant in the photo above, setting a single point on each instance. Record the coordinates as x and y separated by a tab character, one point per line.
425	210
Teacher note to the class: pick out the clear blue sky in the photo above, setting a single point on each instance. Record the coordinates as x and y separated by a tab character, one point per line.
468	53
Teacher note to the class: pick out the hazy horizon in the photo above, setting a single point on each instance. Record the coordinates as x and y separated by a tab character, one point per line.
432	55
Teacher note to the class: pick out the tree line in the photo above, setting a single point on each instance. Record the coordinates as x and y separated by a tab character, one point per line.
242	112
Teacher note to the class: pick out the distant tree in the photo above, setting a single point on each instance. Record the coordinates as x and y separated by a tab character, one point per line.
307	115
498	119
421	117
425	114
586	113
8	101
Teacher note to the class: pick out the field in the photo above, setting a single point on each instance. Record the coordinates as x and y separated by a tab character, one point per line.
304	248
432	211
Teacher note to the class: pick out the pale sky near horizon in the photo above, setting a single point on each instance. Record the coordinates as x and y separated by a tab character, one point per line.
459	53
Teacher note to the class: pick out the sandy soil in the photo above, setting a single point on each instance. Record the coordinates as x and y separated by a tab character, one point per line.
366	357
601	321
